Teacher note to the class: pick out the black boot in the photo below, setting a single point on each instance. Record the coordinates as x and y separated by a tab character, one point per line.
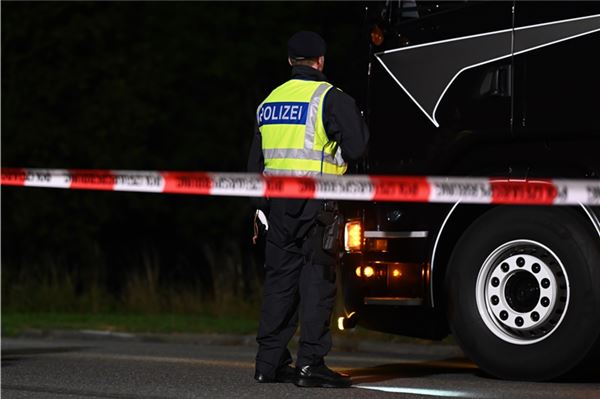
283	374
321	376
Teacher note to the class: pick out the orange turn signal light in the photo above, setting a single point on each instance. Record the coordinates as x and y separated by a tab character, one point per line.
353	236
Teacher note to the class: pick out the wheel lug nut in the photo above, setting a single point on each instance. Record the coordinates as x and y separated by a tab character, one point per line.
495	281
519	321
536	268
520	262
495	300
504	315
505	267
545	302
535	316
545	283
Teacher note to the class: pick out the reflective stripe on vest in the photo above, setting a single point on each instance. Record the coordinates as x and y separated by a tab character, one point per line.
294	140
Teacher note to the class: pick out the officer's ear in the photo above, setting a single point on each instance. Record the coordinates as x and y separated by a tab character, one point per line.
321	63
290	61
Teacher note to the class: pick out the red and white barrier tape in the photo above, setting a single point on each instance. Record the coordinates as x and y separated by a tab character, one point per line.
355	187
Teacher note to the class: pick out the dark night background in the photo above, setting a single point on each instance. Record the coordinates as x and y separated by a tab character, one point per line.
144	86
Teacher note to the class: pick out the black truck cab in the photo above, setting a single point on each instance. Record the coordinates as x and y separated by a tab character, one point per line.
482	88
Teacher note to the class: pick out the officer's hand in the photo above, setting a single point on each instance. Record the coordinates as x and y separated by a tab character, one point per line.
261	225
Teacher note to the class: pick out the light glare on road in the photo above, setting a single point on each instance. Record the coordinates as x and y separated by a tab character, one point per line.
418	391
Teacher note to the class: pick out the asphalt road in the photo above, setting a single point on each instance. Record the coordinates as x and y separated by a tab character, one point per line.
129	367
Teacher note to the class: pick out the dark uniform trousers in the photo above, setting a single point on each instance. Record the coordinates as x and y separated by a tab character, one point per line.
295	288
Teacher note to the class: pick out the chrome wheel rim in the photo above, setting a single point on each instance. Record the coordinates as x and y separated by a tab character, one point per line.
522	292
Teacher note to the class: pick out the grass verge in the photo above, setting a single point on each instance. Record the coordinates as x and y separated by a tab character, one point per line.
15	323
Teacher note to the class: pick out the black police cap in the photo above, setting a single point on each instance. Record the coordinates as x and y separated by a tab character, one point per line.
306	44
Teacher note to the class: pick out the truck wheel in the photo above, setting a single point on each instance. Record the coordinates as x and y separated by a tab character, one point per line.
523	289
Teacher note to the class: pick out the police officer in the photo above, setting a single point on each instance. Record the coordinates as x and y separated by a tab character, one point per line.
305	127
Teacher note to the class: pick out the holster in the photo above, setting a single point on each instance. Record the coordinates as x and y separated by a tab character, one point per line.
331	220
327	239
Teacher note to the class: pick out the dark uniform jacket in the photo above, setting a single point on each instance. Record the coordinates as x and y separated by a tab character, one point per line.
291	219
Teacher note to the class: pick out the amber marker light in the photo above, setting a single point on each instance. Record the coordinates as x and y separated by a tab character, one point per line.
368	271
353	237
358	272
376	35
396	273
378	244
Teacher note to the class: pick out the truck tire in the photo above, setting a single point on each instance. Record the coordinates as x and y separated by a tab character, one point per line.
523	291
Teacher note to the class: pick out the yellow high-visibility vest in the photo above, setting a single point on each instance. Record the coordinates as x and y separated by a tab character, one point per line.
294	140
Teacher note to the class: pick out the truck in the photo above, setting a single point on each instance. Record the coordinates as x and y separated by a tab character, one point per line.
505	89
